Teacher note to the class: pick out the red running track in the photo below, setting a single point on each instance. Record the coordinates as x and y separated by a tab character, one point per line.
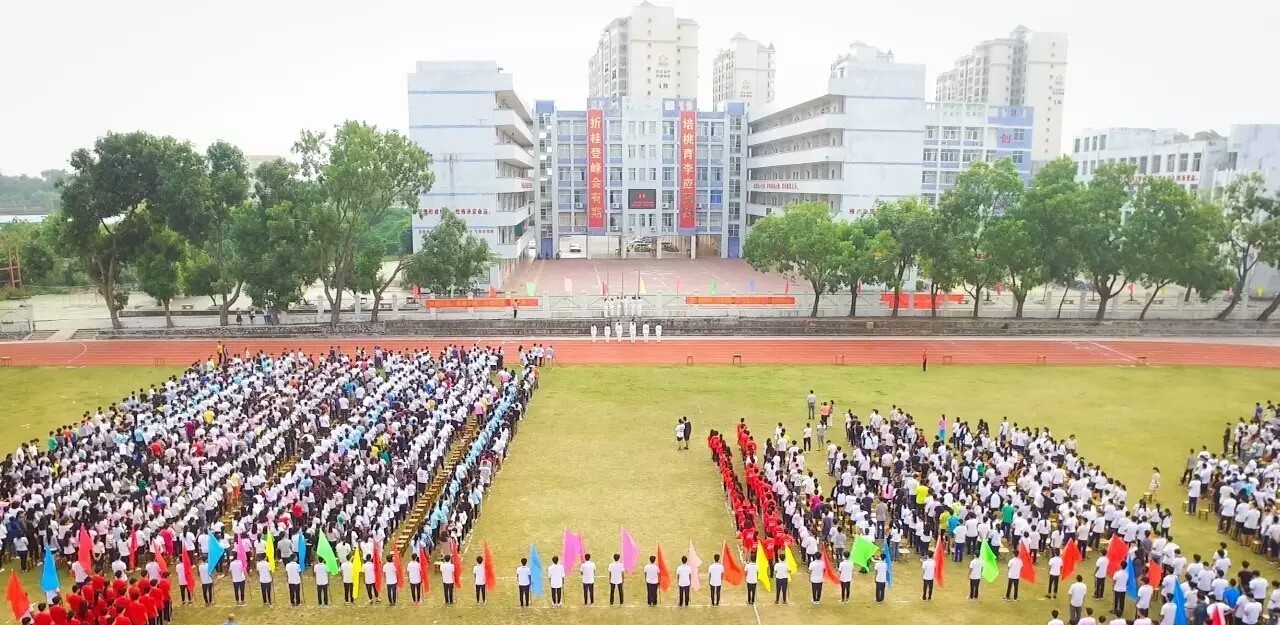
703	351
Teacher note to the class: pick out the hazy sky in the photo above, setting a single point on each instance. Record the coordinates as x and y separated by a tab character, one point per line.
255	72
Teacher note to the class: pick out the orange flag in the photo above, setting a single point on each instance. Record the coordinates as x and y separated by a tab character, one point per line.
939	557
457	560
490	575
159	554
18	601
377	566
664	574
426	568
1028	567
1155	573
395	559
1070	558
828	571
733	573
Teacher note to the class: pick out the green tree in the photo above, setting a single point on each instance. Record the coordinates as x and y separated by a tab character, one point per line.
803	242
158	268
199	275
1106	258
451	259
362	173
271	237
228	180
966	213
939	259
908	223
1054	213
1251	216
117	195
1269	253
1017	255
38	261
870	257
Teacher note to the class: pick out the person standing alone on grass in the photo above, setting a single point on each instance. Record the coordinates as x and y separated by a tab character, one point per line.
555	579
391	577
264	580
478	572
684	578
924	360
615	578
588	569
812	401
781	575
679	432
651	581
715	578
523	578
816	570
808	437
751	572
447	571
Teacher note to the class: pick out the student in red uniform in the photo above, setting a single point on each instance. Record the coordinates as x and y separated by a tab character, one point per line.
924	360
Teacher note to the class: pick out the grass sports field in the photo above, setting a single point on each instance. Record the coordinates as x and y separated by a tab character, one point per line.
596	452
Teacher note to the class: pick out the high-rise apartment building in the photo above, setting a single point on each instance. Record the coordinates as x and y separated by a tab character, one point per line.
1025	69
649	54
743	72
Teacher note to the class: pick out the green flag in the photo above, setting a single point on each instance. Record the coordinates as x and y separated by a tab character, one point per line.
863	550
325	553
713	287
990	566
529	288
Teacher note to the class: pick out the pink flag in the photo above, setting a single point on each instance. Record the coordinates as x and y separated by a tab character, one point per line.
570	550
677	284
695	563
630	551
241	554
568	285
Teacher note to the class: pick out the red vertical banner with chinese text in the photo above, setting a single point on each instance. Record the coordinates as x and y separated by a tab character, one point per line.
595	170
688	169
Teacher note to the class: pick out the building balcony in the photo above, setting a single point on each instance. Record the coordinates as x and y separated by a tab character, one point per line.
514	155
824	154
811	186
512	185
514	250
817	123
510	122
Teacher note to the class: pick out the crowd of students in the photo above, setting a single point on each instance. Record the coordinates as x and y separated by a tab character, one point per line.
267	459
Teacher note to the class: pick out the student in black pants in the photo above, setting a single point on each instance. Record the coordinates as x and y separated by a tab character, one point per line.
448	574
390	574
480	589
651	587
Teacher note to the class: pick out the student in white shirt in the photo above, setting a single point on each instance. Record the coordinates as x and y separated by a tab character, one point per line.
322	583
370	580
1075	598
1055	574
684	579
1053	618
391	578
478	572
651	581
926	572
264	580
238	579
206	583
752	574
615	578
447	577
1119	588
781	575
1088	618
1015	577
293	577
715	579
184	584
882	578
975	576
555	579
524	577
816	570
414	572
348	581
588	570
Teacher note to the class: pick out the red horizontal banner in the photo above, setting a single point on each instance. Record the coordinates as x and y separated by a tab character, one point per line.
920	300
480	302
740	300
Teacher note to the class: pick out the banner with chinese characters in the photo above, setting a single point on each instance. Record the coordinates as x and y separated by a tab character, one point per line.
595	171
688	169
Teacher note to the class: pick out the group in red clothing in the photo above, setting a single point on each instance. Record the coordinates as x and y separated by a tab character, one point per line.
100	602
756	510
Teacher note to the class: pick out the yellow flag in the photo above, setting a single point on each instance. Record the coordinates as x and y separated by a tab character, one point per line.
643	291
763	572
791	561
356	563
271	552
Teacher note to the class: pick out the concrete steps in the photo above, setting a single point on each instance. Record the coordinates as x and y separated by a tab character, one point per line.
417	517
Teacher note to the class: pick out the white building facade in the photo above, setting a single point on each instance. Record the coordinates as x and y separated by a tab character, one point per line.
958	134
744	72
1025	69
480	136
648	54
1191	161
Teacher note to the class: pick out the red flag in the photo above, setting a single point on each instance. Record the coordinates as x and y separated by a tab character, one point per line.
1155	573
159	554
453	555
133	548
1028	567
604	288
1117	554
85	553
490	575
1216	610
395	559
426	568
939	557
828	571
786	290
186	569
1070	558
493	291
377	566
664	574
17	597
733	573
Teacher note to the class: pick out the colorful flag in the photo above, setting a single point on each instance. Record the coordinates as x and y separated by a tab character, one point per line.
1028	566
85	551
713	287
1132	587
535	571
395	560
426	568
357	562
762	569
1215	614
863	550
49	574
568	285
786	288
493	291
828	571
1117	554
242	553
301	541
888	563
1070	558
186	569
324	551
215	552
1155	574
271	551
791	561
664	574
133	548
455	558
677	284
158	552
18	601
990	565
630	551
640	288
490	575
939	557
694	563
1179	601
377	565
604	289
570	549
733	573
529	288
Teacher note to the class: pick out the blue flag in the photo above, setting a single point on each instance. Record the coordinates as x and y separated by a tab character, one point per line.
888	563
1180	602
302	550
1133	579
49	577
215	552
535	571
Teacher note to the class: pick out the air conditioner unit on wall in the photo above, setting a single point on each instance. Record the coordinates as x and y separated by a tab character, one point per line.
666	204
615	205
578	205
